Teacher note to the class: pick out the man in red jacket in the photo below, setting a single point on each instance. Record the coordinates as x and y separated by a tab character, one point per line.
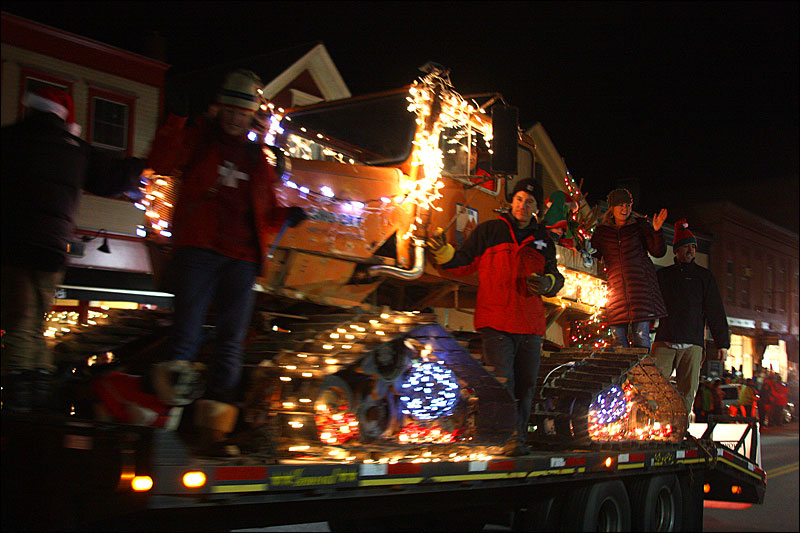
516	264
222	224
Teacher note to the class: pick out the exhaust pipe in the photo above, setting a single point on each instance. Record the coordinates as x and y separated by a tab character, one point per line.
400	273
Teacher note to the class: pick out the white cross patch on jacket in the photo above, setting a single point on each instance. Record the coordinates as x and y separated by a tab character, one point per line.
228	176
540	244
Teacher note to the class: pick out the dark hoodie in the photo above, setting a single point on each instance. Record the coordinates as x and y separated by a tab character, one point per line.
44	168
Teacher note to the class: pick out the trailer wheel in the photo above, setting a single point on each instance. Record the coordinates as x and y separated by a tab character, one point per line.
603	506
656	504
538	515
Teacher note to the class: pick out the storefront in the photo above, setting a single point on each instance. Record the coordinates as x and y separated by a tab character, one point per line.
755	348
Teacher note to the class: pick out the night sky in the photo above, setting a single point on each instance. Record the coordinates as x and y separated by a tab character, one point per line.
695	101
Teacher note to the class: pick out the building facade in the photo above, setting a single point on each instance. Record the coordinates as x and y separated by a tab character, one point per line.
755	263
118	99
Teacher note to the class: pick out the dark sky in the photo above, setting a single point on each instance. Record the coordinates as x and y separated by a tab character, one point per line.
696	101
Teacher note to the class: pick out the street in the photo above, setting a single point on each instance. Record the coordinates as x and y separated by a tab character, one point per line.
779	452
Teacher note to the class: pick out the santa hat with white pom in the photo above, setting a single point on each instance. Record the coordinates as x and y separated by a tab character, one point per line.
49	99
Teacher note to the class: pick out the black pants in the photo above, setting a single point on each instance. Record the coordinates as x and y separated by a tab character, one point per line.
515	357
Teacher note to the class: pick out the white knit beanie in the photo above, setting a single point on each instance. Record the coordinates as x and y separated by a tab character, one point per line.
240	89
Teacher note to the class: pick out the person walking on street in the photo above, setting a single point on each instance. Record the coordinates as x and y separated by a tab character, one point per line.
718	396
623	242
766	400
693	301
225	215
45	166
516	263
747	399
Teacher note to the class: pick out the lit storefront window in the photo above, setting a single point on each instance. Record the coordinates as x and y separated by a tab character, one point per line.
740	355
775	359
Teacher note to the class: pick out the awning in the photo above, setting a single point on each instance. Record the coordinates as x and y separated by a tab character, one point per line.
109	285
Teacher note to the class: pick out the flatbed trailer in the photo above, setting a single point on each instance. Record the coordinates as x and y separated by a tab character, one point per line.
77	474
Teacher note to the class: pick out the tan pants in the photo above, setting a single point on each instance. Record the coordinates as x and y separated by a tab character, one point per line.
26	298
685	362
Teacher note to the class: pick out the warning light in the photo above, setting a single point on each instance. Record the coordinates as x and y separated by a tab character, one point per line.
736	489
609	461
142	483
707	488
194	480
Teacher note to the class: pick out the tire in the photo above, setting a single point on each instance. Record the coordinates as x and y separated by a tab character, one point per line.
603	506
656	504
538	515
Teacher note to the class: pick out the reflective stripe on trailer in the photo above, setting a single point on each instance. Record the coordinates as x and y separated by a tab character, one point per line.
626	461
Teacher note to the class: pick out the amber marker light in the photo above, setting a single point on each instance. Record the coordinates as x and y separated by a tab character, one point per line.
707	488
142	483
194	480
609	462
736	489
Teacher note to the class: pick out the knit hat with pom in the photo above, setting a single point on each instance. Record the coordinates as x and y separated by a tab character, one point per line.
682	235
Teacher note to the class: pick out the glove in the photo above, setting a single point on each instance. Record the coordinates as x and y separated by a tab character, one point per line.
296	216
441	250
540	283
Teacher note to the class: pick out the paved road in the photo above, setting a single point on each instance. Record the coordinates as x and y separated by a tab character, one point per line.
779	457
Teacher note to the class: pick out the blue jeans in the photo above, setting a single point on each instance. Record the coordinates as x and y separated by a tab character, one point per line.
515	357
641	334
207	276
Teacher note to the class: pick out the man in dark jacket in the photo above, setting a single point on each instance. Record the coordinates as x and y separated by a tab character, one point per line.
44	167
516	264
693	300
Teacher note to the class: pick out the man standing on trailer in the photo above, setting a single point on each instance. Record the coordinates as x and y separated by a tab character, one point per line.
516	262
693	300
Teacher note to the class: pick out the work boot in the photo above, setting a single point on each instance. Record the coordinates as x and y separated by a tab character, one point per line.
215	420
515	447
176	382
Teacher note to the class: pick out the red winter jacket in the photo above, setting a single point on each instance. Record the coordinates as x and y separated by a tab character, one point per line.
193	153
633	291
503	264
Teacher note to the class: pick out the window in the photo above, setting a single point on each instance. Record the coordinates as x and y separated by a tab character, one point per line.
730	283
373	131
780	287
769	287
747	272
110	124
31	79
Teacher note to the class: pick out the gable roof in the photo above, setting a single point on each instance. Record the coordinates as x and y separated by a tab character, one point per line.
307	68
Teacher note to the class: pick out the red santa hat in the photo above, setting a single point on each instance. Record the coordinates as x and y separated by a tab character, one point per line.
682	234
49	99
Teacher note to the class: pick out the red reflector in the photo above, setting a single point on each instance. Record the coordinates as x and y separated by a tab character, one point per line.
241	473
404	468
716	504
